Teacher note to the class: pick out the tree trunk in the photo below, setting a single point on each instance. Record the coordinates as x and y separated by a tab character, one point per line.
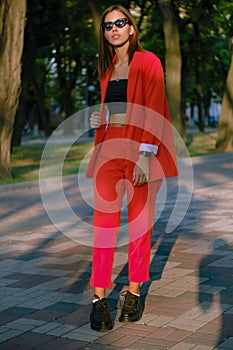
28	62
199	96
183	92
95	15
224	141
67	104
12	23
44	116
201	125
173	62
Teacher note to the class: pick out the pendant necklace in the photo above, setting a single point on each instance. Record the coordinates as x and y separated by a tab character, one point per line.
117	78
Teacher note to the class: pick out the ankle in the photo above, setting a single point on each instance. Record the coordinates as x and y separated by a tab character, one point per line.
134	288
137	294
96	298
99	293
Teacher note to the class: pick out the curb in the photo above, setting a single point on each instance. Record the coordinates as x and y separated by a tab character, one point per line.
28	185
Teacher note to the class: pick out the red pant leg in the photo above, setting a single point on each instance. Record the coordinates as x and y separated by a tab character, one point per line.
141	220
109	191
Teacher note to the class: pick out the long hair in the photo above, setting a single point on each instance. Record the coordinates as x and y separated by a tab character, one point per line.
106	50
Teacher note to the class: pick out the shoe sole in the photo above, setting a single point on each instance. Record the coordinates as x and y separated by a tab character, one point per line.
101	328
127	319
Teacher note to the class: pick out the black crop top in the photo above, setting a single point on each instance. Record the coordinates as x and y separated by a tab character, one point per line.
115	95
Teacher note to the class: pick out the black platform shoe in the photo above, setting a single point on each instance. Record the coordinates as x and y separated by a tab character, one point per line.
100	319
132	309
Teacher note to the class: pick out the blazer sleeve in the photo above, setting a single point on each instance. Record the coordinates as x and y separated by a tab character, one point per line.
154	100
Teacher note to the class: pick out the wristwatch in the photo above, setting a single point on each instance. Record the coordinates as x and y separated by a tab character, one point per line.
145	154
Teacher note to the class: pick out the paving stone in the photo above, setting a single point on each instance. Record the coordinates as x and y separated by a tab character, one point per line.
45	296
202	339
203	347
182	346
32	339
227	344
24	324
9	334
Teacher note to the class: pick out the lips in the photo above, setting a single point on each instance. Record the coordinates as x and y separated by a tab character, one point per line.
115	36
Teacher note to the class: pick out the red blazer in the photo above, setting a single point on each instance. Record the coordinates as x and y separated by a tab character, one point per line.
147	115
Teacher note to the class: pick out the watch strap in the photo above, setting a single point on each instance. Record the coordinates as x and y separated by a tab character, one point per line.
145	154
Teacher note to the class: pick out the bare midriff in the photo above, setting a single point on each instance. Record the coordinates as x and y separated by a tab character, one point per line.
117	119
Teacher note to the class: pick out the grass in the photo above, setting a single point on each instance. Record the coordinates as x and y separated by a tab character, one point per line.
199	144
26	160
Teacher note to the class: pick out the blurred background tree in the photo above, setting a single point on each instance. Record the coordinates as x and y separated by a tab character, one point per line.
59	60
12	23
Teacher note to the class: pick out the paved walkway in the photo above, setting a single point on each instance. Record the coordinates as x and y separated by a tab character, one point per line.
44	275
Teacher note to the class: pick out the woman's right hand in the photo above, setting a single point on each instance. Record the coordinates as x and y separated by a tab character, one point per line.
95	120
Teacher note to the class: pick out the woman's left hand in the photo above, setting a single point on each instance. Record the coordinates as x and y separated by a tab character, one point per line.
95	120
141	171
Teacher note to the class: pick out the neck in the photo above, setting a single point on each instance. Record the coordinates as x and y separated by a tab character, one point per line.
121	53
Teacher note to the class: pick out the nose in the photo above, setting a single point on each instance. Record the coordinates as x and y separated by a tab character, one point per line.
114	27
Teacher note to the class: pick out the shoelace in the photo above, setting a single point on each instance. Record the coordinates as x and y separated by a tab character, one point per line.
129	300
101	306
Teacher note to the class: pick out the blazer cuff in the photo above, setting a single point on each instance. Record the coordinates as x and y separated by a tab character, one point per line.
148	148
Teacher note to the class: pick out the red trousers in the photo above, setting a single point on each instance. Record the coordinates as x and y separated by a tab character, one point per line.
113	178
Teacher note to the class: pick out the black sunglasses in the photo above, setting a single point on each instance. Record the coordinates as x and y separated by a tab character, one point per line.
120	23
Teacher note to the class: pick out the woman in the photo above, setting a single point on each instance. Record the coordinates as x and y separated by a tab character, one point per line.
133	151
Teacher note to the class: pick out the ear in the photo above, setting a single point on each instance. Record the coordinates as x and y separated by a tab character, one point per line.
131	30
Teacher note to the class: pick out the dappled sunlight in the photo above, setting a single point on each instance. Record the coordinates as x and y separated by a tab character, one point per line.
46	275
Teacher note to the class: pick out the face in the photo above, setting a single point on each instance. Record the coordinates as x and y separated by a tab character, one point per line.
117	36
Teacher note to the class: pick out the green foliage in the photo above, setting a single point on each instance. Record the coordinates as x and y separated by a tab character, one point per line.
151	33
66	45
205	33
